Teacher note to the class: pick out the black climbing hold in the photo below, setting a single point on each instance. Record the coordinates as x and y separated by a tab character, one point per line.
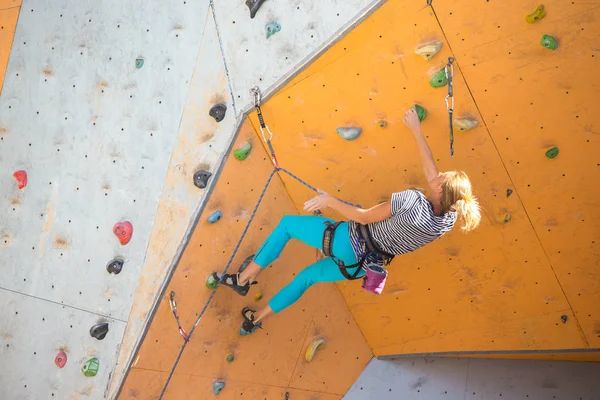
218	112
508	192
99	331
254	5
201	179
564	319
246	262
115	266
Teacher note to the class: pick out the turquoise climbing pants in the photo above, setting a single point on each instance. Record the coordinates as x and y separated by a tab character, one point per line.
309	230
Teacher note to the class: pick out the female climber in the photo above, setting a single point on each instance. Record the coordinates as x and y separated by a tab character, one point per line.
371	236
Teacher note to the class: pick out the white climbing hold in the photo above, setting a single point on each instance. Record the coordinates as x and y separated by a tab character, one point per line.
349	133
429	50
464	124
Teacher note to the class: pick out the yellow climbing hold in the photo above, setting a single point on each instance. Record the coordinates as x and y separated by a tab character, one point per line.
429	50
538	14
504	218
258	296
464	124
382	123
313	347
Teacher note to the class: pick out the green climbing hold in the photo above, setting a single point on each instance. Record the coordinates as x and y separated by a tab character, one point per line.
349	133
421	112
139	63
218	387
535	16
439	79
549	42
244	152
213	280
552	152
272	29
230	358
90	368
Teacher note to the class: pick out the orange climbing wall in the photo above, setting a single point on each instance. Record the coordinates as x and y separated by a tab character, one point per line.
506	285
270	362
9	12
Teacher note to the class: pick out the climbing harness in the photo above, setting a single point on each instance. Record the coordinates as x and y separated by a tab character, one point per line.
173	305
264	130
450	99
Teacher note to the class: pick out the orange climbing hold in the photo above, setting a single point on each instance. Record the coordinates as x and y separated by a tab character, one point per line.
21	177
123	231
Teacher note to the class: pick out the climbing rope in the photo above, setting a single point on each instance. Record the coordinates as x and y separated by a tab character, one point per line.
264	129
450	100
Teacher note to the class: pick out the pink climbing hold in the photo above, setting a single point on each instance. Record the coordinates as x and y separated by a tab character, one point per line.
61	359
124	231
21	177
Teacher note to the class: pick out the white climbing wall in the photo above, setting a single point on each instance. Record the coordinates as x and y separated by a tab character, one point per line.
95	136
104	142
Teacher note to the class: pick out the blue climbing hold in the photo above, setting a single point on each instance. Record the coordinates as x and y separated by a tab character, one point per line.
214	217
349	133
218	387
272	29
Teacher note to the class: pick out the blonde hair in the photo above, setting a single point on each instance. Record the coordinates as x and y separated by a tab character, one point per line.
457	196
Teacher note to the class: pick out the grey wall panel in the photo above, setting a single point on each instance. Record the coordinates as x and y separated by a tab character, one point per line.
33	331
95	135
306	26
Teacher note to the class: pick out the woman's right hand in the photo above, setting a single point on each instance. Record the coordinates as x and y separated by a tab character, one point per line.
411	120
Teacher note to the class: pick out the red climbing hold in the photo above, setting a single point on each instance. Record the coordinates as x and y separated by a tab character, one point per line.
21	177
61	359
124	231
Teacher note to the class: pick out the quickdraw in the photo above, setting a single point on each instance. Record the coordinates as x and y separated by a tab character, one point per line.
450	100
173	305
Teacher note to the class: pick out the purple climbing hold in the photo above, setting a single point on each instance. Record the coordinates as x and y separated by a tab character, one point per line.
99	331
254	5
218	112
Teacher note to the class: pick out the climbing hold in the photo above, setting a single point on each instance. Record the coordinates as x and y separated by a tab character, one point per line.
139	63
349	133
464	124
21	177
90	368
549	42
564	319
213	280
552	152
230	358
272	29
218	387
508	192
115	266
245	263
421	112
99	331
258	296
124	231
60	360
254	5
201	179
382	123
439	79
505	218
535	16
218	112
244	152
313	347
214	217
429	50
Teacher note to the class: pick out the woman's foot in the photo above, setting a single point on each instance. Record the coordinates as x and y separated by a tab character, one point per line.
233	281
249	326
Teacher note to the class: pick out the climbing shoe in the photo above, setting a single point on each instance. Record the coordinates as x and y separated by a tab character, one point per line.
248	326
231	280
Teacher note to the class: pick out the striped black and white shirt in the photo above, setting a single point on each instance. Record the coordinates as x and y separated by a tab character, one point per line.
411	226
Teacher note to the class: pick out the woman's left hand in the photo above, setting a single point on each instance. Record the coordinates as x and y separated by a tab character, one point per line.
318	203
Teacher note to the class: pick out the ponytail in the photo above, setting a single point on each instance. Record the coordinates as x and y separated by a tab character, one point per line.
457	196
468	211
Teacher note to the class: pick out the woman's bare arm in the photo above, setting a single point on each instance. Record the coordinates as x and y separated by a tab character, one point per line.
411	120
